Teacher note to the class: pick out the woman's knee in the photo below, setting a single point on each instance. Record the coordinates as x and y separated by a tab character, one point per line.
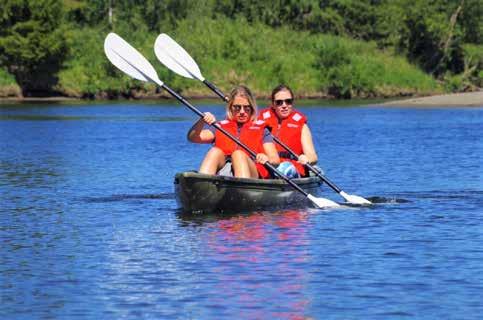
215	152
214	160
239	155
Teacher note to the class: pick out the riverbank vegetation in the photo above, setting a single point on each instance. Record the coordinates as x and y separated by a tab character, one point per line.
331	48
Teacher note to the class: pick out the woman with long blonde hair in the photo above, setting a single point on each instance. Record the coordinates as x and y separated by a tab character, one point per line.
241	113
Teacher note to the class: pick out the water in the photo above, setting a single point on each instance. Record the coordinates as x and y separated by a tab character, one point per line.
89	227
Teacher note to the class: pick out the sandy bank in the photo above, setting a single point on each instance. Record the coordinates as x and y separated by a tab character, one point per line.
468	99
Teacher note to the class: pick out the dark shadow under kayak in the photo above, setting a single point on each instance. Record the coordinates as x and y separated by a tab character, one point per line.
203	193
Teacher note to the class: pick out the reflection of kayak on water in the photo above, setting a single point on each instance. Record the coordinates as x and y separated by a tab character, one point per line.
197	192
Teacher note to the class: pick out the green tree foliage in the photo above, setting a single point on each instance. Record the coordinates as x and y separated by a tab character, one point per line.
351	17
153	14
32	42
432	38
358	16
471	21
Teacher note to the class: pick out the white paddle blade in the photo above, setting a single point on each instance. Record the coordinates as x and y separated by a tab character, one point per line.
322	202
174	57
354	199
127	59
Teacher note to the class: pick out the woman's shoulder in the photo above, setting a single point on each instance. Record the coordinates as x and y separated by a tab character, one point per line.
225	121
259	123
298	116
225	124
266	114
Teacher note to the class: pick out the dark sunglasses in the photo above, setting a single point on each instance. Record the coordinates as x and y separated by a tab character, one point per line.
279	103
238	107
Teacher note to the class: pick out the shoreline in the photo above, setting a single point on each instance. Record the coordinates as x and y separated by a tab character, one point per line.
466	99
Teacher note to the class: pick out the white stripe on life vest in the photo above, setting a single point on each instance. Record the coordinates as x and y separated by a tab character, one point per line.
297	117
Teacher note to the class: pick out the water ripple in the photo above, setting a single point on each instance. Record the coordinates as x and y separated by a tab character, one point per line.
123	197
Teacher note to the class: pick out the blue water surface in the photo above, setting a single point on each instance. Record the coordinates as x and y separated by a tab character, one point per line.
89	226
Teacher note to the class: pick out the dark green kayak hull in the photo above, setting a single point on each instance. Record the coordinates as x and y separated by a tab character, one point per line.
202	193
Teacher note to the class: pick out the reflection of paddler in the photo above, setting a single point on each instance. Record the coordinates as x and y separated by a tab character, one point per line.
253	227
245	227
290	127
290	219
250	250
241	122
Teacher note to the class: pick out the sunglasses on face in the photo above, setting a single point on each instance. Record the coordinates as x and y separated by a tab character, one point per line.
237	108
279	103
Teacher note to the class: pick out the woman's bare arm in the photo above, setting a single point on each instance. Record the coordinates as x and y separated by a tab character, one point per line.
309	155
199	135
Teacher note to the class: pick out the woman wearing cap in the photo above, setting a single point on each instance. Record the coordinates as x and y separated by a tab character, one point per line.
241	122
290	127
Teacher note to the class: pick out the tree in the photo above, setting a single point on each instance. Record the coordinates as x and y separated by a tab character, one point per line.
33	43
471	21
430	37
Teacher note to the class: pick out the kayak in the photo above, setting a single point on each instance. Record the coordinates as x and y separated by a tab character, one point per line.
203	193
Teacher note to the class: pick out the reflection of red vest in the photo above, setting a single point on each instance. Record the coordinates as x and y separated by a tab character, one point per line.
289	131
250	134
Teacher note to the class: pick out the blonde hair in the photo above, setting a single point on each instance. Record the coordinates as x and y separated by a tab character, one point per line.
241	91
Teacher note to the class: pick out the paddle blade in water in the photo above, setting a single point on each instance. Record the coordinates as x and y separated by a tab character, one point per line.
174	57
322	202
355	199
127	59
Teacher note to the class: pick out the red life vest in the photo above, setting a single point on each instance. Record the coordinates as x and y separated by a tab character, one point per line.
289	131
251	134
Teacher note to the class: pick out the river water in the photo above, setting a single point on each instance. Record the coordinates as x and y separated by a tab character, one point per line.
90	229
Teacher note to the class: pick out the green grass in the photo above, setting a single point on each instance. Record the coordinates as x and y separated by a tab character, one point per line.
6	79
8	85
233	52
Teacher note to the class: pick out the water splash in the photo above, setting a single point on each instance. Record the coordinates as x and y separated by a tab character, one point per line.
391	200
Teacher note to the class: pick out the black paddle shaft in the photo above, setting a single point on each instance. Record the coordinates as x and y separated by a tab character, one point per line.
238	142
215	90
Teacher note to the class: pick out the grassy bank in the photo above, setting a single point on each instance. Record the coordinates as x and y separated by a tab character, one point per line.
232	52
8	85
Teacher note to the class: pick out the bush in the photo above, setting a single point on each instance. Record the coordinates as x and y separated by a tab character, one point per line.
350	68
474	64
32	43
6	79
8	85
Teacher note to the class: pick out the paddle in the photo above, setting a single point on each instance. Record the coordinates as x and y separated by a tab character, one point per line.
130	61
174	57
